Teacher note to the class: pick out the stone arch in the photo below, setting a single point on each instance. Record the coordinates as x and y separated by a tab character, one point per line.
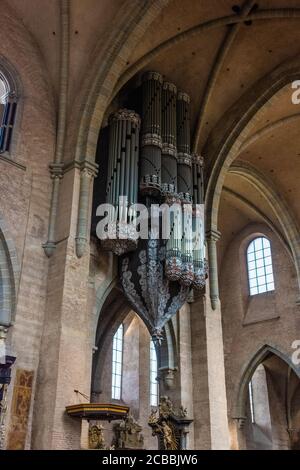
10	77
9	276
110	78
223	144
278	205
113	309
239	411
9	108
134	20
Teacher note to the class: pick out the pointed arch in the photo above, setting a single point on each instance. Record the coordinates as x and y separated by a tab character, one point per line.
9	276
224	142
258	357
277	203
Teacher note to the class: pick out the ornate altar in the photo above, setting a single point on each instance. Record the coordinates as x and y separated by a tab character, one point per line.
170	426
128	434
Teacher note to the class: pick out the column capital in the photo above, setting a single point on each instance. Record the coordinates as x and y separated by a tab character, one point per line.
56	170
84	165
241	421
213	235
3	332
91	168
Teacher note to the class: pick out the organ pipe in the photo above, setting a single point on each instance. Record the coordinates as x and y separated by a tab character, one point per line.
122	179
159	166
185	190
151	142
169	139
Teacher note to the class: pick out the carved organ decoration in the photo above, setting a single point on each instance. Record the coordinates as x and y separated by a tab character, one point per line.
150	162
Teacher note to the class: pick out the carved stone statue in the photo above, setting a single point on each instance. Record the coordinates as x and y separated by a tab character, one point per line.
171	428
165	407
182	412
128	434
165	430
170	441
96	437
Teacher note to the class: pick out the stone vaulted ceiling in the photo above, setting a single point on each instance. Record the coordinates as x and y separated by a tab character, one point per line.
214	50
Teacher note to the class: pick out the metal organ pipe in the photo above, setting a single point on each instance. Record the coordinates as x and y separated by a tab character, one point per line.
169	138
184	182
198	224
122	179
151	143
173	265
167	173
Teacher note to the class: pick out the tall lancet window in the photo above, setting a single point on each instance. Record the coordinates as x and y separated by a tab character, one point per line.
117	364
260	267
153	376
8	104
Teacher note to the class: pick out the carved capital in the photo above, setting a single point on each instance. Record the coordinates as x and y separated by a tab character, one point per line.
49	248
89	169
213	235
241	421
3	332
56	170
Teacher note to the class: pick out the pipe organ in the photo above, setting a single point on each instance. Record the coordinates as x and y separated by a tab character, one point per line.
122	176
151	142
150	161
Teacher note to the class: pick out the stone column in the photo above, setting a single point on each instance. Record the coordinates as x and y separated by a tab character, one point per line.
212	237
209	391
66	346
87	174
185	368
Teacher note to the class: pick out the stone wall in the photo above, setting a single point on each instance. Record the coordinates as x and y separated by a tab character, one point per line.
252	323
25	198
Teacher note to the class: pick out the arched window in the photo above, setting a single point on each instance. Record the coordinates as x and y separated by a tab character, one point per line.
153	376
260	268
117	364
8	105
